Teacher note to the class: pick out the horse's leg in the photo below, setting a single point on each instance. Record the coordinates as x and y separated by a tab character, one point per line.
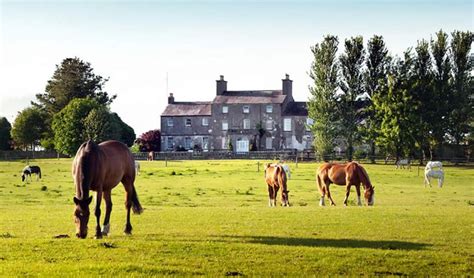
128	185
329	196
275	193
359	203
270	195
98	199
322	190
348	191
108	210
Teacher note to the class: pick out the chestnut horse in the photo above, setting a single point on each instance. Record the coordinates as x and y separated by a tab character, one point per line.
348	174
100	168
275	177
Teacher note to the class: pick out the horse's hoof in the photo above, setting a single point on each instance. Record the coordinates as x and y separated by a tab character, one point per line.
128	229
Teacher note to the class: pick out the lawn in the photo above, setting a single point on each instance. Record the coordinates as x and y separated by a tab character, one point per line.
212	218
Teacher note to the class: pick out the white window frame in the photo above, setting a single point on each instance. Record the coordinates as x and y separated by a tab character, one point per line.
225	125
205	121
287	124
269	124
169	143
246	109
186	122
269	108
186	140
169	122
246	123
225	109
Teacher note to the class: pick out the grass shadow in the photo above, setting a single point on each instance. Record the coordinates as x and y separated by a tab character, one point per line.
335	243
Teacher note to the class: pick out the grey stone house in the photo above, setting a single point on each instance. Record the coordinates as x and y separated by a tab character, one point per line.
242	120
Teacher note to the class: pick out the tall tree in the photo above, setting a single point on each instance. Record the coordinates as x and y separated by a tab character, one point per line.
321	105
423	97
441	88
351	83
5	136
394	107
28	128
99	125
460	100
125	133
72	79
377	63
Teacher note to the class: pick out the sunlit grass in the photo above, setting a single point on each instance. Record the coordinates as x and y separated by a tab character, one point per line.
211	218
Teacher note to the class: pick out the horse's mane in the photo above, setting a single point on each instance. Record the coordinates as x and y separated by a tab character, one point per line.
86	167
363	176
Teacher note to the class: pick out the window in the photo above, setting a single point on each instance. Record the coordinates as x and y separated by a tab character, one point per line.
169	143
225	125
205	143
269	125
169	122
187	143
246	123
309	123
268	143
287	124
187	122
246	109
225	109
205	121
269	108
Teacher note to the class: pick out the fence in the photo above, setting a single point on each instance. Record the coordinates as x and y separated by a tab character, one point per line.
15	155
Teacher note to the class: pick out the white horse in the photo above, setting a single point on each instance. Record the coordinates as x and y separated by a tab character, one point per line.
403	162
437	174
287	170
137	167
433	164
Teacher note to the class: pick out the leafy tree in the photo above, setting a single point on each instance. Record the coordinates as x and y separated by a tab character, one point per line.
423	97
123	132
68	125
460	100
5	136
394	107
321	105
441	87
351	84
99	125
377	63
72	79
150	141
28	127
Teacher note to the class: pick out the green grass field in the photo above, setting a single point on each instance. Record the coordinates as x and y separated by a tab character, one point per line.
212	218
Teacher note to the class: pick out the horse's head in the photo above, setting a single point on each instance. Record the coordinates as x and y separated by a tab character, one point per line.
369	195
284	198
81	216
23	177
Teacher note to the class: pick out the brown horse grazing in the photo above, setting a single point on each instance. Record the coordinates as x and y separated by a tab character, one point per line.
275	177
344	174
100	168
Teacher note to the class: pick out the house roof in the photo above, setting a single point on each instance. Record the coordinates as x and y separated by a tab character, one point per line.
296	108
188	109
250	97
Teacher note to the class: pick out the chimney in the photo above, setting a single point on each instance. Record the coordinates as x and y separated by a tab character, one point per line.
171	99
287	86
221	86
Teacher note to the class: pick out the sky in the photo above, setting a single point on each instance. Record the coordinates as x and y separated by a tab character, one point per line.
148	49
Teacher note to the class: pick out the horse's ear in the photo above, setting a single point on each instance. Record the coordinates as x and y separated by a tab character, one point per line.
89	200
76	201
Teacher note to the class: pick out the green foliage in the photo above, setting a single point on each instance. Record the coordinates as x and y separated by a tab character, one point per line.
352	85
5	136
122	132
321	105
68	125
460	101
28	127
99	126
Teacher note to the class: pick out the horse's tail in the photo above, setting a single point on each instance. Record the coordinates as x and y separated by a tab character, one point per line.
136	207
